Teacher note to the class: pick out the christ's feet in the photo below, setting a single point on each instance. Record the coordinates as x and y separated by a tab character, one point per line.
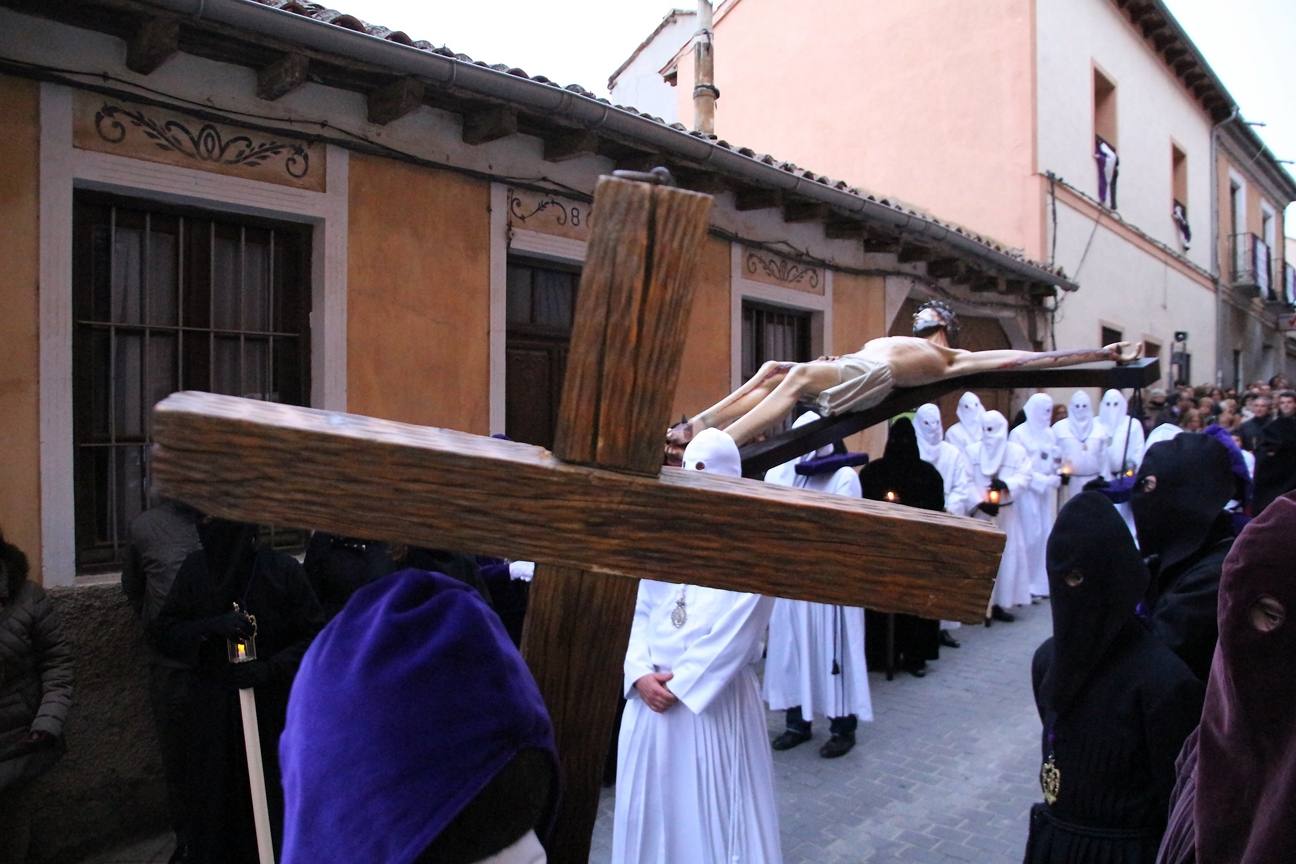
677	438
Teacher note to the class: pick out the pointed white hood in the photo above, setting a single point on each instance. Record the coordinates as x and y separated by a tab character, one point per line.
927	423
970	411
994	442
1080	415
1113	410
714	452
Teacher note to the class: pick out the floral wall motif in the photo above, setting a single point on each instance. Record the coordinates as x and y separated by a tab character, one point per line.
548	214
155	134
759	265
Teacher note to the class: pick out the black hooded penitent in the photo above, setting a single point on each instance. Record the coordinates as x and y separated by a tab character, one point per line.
1116	704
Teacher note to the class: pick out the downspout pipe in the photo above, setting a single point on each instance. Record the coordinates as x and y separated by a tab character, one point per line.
1217	266
584	111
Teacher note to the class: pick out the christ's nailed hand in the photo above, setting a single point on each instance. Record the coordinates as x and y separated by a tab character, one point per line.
652	689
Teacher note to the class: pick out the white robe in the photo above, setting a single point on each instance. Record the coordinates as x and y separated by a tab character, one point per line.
1037	504
1085	454
695	784
806	639
960	437
956	475
1012	585
1125	452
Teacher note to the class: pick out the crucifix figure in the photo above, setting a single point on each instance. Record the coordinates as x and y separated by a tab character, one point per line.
864	378
597	509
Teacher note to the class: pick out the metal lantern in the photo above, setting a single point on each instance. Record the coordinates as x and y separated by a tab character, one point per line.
243	650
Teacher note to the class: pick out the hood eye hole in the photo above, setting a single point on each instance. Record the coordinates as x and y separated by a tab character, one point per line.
1074	579
1148	483
699	466
1267	614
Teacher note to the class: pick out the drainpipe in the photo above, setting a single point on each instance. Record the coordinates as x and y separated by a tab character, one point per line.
705	92
1217	266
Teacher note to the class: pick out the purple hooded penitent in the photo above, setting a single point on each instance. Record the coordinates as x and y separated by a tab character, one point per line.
407	704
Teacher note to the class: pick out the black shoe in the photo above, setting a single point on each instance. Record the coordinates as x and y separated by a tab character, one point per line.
917	670
998	613
948	640
837	745
180	855
987	620
790	739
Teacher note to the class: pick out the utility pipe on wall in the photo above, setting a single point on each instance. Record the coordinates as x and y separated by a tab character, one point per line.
705	92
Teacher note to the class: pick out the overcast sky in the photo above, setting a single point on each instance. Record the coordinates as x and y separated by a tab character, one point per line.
1249	43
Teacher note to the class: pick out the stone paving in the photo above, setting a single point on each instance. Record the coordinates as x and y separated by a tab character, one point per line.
945	773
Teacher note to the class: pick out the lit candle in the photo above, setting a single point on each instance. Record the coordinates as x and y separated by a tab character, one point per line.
994	496
242	651
891	496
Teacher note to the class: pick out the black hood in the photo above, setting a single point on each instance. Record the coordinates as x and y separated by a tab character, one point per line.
1181	488
1096	579
1275	473
902	472
229	548
13	569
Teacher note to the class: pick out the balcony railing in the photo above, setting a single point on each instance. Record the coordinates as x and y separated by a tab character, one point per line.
1252	267
1289	284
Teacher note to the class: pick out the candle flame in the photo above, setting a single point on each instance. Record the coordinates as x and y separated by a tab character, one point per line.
242	651
890	496
994	496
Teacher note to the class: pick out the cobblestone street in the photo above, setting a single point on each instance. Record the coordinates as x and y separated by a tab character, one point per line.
945	773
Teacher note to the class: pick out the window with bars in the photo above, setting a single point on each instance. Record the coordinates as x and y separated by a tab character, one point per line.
773	333
164	300
541	303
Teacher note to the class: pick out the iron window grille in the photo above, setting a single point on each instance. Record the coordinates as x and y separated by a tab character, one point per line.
168	299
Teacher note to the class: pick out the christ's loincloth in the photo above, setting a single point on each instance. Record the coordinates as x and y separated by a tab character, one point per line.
865	381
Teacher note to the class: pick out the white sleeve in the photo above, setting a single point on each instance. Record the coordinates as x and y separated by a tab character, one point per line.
1016	470
846	482
712	661
963	493
638	659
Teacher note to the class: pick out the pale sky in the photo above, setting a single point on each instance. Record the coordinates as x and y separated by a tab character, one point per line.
1249	44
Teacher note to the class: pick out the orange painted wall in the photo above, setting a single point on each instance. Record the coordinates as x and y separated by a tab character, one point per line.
859	314
20	323
949	128
418	296
704	372
1254	224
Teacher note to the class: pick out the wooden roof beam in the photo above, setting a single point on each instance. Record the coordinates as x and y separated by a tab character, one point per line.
911	252
156	40
843	229
943	268
573	144
282	76
806	211
394	100
489	124
755	198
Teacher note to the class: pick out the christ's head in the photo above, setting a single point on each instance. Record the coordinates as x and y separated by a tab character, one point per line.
936	322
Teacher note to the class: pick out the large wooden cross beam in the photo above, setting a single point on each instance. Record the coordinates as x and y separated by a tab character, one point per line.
600	504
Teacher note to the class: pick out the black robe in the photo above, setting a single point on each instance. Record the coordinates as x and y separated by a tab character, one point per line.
272	587
915	483
1115	749
1275	471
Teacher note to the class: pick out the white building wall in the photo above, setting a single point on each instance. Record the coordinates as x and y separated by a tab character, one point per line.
1124	287
1152	108
640	83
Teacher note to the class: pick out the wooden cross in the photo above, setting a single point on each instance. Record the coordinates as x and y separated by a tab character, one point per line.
600	504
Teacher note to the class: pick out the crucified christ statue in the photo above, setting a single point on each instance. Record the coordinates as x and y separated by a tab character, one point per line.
862	379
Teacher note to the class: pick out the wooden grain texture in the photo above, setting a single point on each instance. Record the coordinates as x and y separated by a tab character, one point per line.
366	477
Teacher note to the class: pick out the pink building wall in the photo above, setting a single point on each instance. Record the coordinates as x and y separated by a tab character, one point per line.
950	130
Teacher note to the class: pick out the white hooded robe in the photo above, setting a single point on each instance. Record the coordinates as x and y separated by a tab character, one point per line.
808	640
968	428
960	495
1125	445
1038	503
995	456
1083	443
695	783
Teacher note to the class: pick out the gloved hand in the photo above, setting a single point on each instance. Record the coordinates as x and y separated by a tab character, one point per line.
521	570
230	625
989	509
254	673
998	485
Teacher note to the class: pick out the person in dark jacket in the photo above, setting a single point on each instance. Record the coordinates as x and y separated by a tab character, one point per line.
1235	795
912	483
1178	504
1116	704
1275	471
217	594
161	538
35	693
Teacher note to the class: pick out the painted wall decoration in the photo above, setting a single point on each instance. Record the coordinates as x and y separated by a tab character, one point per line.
771	269
155	134
548	214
